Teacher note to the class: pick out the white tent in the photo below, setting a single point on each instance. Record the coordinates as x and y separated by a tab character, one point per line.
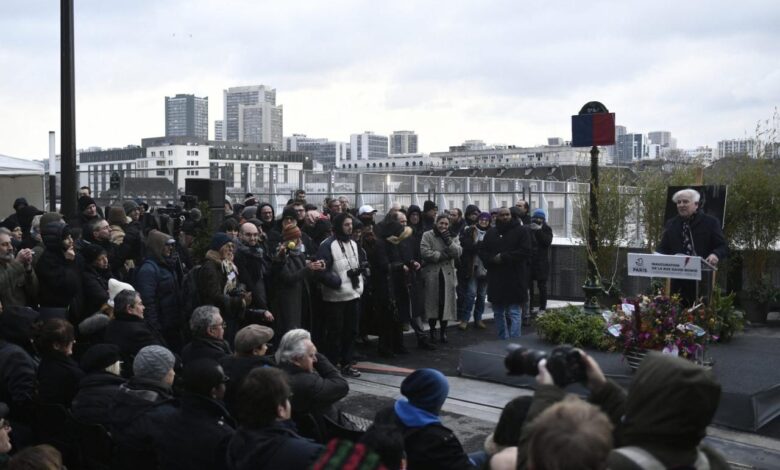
20	178
18	166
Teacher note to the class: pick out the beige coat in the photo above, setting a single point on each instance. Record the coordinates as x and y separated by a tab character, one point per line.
439	257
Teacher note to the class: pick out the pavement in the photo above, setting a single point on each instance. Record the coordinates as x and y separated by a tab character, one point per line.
474	407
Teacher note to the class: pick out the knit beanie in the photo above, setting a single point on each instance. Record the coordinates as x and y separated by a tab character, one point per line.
428	205
153	362
19	202
485	216
84	202
426	389
291	232
539	214
129	206
219	240
249	213
114	288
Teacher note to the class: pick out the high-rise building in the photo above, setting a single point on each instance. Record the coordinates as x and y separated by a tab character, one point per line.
251	115
187	116
218	135
737	147
662	138
630	148
326	153
367	146
403	142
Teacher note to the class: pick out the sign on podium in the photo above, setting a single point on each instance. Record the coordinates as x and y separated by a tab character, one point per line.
670	266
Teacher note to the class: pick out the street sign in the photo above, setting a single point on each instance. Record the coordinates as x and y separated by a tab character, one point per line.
594	125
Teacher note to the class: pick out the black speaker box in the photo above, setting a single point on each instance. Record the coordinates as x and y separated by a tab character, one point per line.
212	191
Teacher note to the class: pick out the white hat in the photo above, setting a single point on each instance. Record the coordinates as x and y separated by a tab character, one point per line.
366	210
115	287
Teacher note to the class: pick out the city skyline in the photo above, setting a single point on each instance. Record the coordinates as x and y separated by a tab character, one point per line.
501	73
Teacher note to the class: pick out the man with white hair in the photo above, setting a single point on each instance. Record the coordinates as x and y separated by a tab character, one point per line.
208	333
315	382
694	233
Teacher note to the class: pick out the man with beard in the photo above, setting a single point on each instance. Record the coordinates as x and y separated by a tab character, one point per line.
267	215
18	283
505	251
342	285
251	259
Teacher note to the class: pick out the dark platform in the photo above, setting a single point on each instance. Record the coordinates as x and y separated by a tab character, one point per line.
748	369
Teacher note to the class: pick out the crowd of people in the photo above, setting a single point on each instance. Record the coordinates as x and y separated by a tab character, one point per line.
235	355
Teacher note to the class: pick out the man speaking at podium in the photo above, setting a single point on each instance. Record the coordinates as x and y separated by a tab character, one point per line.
692	232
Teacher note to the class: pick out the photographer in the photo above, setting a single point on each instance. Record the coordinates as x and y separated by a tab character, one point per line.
439	251
342	285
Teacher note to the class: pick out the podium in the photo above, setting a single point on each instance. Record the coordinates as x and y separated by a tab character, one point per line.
683	267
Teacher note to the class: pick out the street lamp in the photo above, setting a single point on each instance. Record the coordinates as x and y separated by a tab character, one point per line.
593	126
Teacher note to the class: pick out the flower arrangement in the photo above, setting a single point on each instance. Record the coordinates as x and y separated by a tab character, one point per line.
661	323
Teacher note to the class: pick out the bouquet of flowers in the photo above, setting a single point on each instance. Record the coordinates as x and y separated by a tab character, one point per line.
661	323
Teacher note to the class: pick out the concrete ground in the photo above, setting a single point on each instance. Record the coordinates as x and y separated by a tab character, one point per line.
473	406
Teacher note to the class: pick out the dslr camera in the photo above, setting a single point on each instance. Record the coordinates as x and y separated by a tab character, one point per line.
564	363
354	276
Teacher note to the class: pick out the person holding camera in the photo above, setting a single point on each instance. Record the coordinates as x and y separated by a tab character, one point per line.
342	285
439	250
218	284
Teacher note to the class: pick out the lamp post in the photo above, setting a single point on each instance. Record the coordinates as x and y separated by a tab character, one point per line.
67	112
593	126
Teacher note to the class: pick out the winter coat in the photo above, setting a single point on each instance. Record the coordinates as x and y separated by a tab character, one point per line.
158	284
707	237
138	411
667	413
470	262
541	239
195	436
95	396
273	447
17	380
58	379
253	272
60	278
429	446
507	278
131	334
393	284
214	282
439	258
340	255
237	368
95	289
317	392
18	286
205	348
291	292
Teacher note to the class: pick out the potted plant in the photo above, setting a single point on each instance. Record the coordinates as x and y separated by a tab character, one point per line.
728	320
759	297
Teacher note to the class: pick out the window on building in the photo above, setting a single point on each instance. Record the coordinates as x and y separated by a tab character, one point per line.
153	153
170	152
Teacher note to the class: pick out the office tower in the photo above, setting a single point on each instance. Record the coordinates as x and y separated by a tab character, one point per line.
187	116
251	115
403	142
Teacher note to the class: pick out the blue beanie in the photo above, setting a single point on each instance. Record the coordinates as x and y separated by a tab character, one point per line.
219	240
539	214
426	389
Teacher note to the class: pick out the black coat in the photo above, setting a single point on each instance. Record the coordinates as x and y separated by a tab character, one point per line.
291	293
205	348
317	392
274	447
507	279
131	334
17	380
94	398
541	239
95	289
137	412
59	279
237	368
58	379
429	447
707	237
195	436
253	272
392	282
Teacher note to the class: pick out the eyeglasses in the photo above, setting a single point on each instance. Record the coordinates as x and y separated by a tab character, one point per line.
223	324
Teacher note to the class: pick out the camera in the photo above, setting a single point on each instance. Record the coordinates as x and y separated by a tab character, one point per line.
564	363
354	276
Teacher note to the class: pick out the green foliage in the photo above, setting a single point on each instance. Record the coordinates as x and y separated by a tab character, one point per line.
764	292
729	320
570	325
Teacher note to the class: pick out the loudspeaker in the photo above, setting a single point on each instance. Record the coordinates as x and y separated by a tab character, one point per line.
212	191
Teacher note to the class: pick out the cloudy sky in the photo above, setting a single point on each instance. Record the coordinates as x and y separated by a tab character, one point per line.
501	71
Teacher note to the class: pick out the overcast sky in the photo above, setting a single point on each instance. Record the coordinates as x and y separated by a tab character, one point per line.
505	71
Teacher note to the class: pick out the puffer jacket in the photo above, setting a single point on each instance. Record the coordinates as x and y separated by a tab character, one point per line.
158	283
